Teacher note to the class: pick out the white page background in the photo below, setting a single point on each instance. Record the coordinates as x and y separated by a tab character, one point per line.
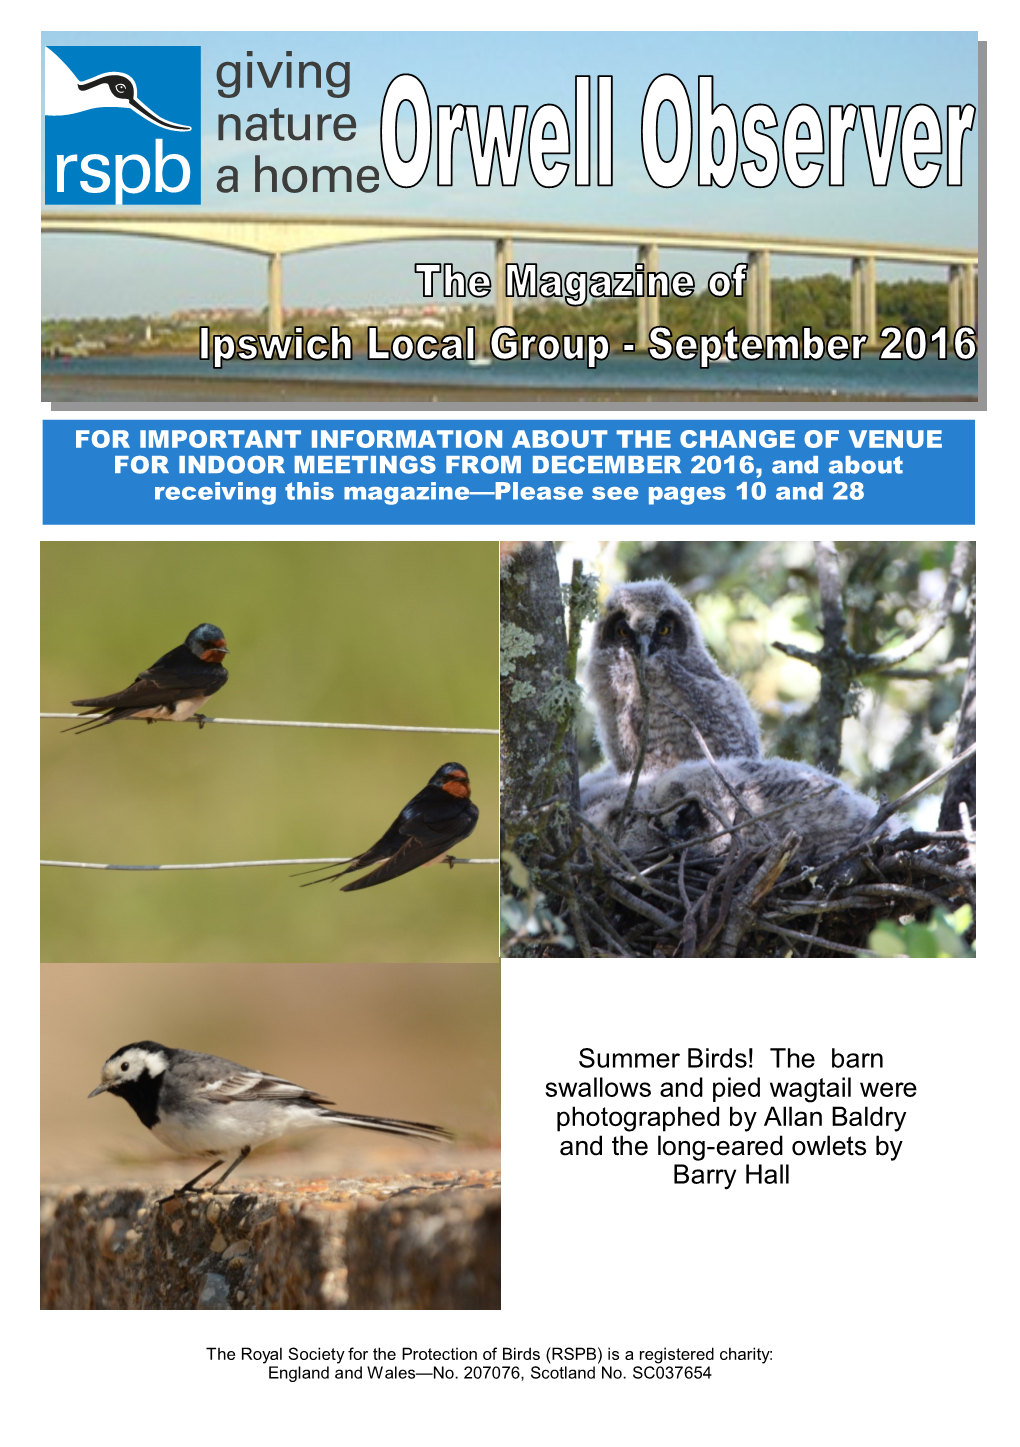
887	1292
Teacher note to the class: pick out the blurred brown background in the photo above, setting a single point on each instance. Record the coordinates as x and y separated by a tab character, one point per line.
415	1042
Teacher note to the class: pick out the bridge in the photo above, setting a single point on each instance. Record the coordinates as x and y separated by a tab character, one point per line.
276	237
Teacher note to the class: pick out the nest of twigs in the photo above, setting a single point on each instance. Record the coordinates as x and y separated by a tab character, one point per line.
758	900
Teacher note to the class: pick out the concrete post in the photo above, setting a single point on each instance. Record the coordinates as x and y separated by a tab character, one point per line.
647	306
968	307
864	298
955	298
759	293
275	317
870	327
751	288
765	300
504	304
856	295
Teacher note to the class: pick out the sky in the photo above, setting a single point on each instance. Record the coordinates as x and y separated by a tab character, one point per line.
120	276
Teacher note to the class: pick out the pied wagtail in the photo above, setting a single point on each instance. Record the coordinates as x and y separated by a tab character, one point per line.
202	1105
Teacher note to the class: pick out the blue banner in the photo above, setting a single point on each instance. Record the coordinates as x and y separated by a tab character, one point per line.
521	474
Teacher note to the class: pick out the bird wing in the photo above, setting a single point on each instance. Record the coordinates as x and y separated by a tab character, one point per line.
241	1084
435	815
426	836
432	823
385	852
223	1082
251	1085
161	685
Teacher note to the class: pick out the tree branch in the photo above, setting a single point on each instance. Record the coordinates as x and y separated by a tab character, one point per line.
837	662
891	657
887	810
534	745
962	787
834	660
639	762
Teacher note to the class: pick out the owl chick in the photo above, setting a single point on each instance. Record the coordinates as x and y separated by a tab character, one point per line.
652	621
689	802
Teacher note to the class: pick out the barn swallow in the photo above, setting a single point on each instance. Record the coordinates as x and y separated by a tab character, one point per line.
175	687
436	819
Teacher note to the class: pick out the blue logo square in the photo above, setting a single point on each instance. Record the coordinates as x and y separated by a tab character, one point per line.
123	125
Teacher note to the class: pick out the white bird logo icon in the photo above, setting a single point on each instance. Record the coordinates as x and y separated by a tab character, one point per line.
66	95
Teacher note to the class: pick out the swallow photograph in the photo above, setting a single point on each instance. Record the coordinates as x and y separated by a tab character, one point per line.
424	832
343	695
175	687
273	1136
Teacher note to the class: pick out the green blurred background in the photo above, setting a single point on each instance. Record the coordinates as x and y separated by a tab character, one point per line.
359	632
416	1042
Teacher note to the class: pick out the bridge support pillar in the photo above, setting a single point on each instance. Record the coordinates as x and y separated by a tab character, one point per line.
275	316
759	293
504	304
647	306
962	297
955	298
968	301
863	298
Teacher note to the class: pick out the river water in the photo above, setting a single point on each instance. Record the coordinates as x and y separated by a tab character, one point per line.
924	380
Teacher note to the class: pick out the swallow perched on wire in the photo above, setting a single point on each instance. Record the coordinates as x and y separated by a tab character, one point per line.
175	687
436	819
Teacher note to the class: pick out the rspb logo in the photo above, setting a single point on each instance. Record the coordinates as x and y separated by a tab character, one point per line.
123	125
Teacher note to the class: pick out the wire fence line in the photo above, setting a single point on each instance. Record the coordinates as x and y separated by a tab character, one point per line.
261	863
284	723
229	864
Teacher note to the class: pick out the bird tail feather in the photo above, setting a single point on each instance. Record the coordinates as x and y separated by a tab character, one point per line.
89	723
327	877
392	1127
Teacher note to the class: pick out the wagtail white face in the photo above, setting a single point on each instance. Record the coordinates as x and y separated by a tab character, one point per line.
202	1105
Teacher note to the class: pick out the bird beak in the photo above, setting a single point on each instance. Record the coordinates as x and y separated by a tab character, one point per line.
98	1090
643	643
152	116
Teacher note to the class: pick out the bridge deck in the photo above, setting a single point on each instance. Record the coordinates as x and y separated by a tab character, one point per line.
270	235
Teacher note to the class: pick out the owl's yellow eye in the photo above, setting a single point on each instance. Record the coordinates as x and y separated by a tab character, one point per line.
664	629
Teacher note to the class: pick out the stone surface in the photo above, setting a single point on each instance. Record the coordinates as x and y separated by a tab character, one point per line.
426	1242
435	1251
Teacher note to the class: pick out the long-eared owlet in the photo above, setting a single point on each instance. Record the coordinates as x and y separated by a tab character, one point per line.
651	621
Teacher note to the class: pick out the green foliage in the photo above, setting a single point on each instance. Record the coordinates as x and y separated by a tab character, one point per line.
526	916
821	302
942	937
